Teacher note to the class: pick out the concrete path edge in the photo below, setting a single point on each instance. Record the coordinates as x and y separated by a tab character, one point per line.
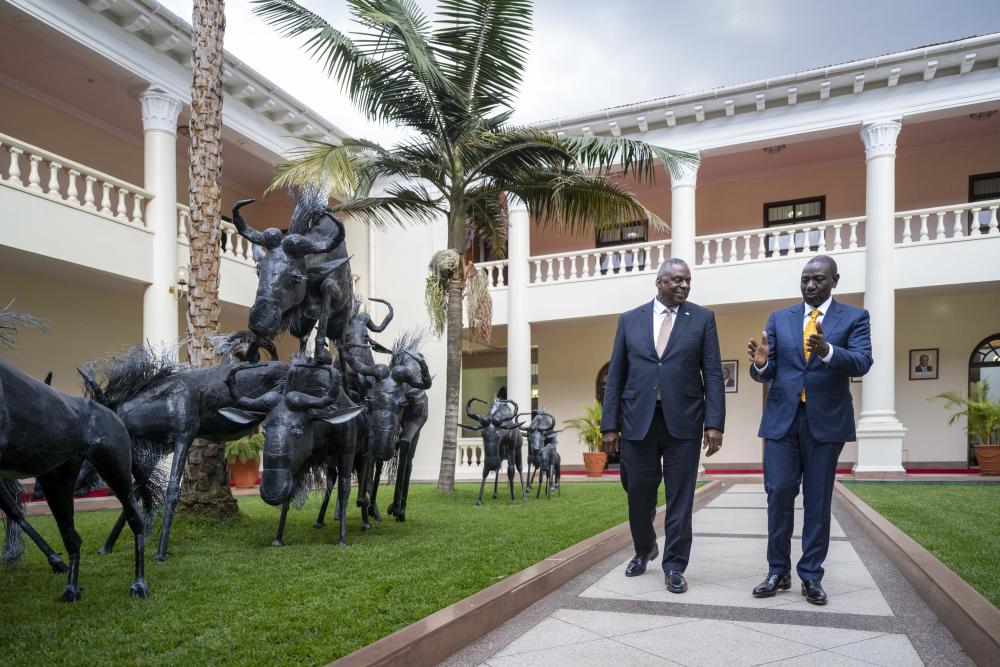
972	619
433	638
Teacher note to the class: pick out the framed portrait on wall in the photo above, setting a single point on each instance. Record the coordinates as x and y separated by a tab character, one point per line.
731	375
924	364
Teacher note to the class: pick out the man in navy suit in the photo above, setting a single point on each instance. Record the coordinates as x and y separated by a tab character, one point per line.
808	353
664	394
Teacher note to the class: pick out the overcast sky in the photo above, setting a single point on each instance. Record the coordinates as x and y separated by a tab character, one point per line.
592	54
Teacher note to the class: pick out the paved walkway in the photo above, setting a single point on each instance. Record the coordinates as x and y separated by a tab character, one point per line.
604	618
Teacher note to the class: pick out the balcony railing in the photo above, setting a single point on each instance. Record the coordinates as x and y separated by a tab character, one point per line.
953	222
757	245
947	223
101	194
234	246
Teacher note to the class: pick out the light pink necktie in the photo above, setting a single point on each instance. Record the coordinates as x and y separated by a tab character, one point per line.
664	335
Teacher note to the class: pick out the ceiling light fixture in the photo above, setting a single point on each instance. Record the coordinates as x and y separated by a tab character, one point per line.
983	115
773	150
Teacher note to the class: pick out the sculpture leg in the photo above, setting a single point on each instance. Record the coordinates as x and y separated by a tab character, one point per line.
58	486
364	488
482	485
558	477
373	510
12	508
343	494
326	502
496	482
510	480
182	443
541	479
520	477
279	539
119	480
406	452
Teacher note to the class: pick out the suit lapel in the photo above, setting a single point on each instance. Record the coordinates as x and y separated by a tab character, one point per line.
794	320
647	331
681	320
832	318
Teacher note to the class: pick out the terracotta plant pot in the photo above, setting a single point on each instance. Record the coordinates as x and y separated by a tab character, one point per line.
244	474
989	459
594	462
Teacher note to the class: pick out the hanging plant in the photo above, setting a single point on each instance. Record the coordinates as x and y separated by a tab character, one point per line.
479	306
442	267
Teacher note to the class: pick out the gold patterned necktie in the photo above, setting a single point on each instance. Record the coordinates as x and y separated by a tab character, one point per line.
809	330
664	335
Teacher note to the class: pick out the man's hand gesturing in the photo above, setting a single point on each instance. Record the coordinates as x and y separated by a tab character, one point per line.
817	342
610	442
758	351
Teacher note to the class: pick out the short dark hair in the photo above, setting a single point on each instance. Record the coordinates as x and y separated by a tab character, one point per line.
669	263
826	260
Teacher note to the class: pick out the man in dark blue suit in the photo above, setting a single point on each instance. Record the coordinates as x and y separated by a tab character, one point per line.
808	353
664	394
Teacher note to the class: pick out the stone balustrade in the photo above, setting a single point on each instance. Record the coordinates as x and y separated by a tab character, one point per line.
70	183
756	245
947	223
234	246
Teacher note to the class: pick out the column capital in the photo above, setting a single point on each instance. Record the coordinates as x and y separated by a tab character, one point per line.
685	173
160	110
879	138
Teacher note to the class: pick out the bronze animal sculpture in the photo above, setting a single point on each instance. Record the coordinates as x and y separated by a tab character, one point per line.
166	405
48	435
304	434
499	443
304	276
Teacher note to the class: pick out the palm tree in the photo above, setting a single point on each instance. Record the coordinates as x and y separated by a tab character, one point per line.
452	83
206	481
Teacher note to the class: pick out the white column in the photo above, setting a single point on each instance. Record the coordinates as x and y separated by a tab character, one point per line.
880	433
518	328
159	124
682	229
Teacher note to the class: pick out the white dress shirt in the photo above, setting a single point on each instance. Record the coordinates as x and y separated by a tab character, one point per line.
807	310
659	313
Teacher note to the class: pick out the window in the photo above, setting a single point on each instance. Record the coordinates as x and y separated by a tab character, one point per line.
636	231
983	187
984	364
794	212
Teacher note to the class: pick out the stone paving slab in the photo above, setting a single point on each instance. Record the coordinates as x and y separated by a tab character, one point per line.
605	618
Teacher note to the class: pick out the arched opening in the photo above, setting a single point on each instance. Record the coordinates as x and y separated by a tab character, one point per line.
984	364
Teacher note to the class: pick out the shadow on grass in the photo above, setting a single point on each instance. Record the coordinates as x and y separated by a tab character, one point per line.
226	596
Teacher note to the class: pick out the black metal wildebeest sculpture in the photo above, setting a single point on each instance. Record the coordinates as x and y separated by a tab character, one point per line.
304	276
542	451
166	405
48	435
397	410
358	344
309	428
499	443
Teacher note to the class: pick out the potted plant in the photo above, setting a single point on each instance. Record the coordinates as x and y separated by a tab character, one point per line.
589	428
983	426
243	457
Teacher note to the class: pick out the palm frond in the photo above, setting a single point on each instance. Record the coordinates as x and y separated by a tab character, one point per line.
483	47
323	162
576	202
398	205
600	154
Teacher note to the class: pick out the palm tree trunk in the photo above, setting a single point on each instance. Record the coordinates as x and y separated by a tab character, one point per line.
453	381
205	486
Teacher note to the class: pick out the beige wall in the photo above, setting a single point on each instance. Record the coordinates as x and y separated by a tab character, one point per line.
925	177
85	322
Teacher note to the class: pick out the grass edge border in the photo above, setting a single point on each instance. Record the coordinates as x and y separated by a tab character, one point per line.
434	638
970	617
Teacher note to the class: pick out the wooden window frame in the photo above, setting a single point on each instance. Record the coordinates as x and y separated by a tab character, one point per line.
983	227
769	251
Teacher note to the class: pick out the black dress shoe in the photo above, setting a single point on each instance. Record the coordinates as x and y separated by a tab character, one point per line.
772	584
813	590
637	565
675	581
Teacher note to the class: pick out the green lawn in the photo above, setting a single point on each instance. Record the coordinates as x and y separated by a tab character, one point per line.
958	523
227	597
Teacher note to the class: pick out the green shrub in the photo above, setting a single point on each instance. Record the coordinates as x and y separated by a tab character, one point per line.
247	448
